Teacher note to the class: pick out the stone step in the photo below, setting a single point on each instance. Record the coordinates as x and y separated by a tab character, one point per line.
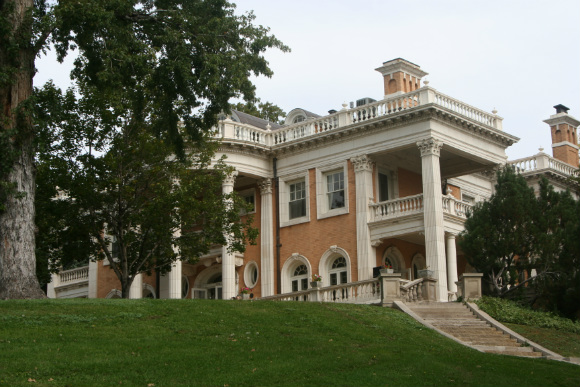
458	321
514	351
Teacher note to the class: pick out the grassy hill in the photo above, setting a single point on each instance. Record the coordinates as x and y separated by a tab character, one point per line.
239	343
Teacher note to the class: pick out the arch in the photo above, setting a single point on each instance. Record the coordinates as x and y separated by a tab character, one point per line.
114	294
295	115
392	86
207	284
184	286
392	256
148	291
327	260
417	263
288	271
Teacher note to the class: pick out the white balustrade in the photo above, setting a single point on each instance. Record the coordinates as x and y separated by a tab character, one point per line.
396	208
74	275
353	292
229	129
543	161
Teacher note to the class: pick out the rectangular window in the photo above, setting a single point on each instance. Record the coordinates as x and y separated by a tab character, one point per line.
335	190
333	279
297	202
383	187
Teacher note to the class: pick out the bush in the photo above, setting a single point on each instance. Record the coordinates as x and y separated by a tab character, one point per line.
511	312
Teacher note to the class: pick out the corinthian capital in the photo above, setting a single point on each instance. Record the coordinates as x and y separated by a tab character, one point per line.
265	186
430	146
362	163
230	179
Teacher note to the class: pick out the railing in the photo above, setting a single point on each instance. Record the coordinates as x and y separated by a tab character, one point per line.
410	205
542	161
467	110
455	206
231	130
358	292
74	275
411	291
397	207
353	292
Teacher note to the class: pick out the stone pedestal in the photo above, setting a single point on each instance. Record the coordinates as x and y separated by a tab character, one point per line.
469	286
390	288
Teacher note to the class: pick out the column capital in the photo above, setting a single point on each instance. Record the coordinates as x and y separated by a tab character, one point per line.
450	235
362	163
265	186
230	178
430	146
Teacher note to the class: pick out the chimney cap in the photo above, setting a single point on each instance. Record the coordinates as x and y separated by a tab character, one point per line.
561	109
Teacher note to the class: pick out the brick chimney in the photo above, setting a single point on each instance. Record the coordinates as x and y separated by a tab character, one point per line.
564	135
401	76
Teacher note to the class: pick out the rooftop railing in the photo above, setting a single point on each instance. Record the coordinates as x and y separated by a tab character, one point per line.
542	162
231	130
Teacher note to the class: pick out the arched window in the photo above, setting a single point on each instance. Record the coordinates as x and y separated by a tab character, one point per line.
338	271
394	258
300	278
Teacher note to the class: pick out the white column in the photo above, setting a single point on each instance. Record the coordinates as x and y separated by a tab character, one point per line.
451	262
93	272
433	213
170	283
228	258
366	253
267	239
136	289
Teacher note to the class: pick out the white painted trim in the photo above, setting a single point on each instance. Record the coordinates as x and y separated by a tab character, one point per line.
284	196
322	210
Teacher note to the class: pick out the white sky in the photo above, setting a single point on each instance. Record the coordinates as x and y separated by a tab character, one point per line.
520	56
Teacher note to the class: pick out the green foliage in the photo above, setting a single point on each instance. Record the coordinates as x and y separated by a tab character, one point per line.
108	188
244	343
501	229
265	110
511	312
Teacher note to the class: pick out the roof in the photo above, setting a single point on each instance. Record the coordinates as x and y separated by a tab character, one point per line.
261	123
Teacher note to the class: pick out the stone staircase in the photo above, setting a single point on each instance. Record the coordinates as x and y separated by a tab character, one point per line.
456	320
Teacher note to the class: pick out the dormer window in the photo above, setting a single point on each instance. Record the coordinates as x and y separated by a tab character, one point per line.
299	119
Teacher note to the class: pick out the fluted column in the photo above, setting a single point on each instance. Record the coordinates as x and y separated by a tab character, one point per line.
136	289
228	258
451	262
366	253
433	213
267	239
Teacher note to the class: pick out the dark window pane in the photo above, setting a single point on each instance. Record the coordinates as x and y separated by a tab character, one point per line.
383	187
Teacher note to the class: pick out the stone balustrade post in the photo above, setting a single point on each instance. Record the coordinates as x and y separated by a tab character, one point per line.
470	286
429	290
390	288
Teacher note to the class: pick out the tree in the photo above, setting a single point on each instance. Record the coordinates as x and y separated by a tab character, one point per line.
265	110
166	67
499	233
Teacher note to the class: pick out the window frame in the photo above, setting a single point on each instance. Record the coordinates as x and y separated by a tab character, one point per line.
322	202
246	193
284	197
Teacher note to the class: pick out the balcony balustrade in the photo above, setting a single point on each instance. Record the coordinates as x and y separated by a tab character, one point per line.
235	131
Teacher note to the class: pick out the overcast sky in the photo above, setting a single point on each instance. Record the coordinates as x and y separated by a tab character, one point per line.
521	57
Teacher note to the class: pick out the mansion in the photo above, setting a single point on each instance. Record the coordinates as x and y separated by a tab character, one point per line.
378	182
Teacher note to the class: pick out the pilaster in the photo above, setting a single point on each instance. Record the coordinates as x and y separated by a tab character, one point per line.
430	149
267	239
366	253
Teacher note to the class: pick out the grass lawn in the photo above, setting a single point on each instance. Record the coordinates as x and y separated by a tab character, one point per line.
563	343
238	343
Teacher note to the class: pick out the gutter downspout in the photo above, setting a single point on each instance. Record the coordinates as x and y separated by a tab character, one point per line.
278	244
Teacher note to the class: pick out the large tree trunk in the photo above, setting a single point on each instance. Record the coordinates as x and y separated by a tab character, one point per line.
17	239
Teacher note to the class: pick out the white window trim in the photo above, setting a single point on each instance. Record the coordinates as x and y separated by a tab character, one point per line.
322	207
324	266
245	193
284	196
248	281
288	269
393	182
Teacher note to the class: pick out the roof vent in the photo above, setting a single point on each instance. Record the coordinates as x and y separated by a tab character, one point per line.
364	101
561	109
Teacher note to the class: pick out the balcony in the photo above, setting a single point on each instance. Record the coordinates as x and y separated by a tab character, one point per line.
71	283
412	205
244	134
